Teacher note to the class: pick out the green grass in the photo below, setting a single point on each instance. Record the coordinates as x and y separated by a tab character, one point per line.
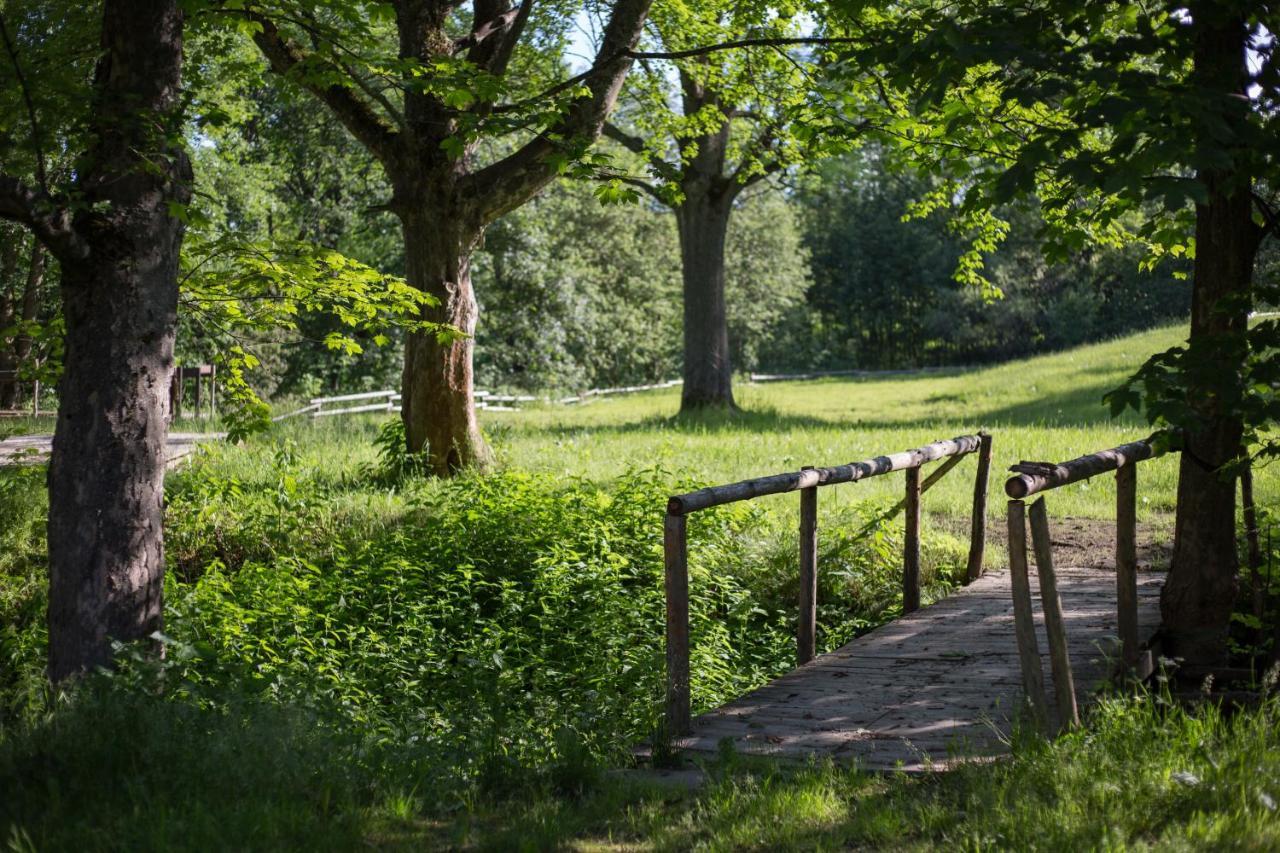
1044	408
357	660
1143	775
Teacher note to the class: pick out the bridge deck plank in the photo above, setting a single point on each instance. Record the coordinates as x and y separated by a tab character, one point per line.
937	686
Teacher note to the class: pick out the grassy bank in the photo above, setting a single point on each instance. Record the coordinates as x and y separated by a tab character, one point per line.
355	656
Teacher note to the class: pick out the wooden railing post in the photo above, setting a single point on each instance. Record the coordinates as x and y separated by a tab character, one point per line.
1064	687
1024	625
1127	562
911	545
675	551
807	629
978	522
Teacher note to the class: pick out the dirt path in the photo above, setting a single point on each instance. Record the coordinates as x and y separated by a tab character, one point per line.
31	449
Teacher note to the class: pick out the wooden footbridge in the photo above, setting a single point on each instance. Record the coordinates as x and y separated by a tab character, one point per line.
944	683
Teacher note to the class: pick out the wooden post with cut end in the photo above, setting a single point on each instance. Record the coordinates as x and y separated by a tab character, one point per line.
1127	562
978	521
911	545
1051	605
675	551
1023	617
806	630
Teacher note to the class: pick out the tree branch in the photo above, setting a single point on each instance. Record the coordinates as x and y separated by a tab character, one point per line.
641	183
356	115
636	145
48	220
629	141
738	44
642	55
510	182
494	36
744	180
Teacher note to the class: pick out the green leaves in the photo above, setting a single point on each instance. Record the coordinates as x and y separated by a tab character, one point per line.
241	290
616	192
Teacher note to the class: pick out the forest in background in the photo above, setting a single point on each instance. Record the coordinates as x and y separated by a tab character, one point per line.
827	270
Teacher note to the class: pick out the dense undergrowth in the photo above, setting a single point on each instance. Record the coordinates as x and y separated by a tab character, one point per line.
358	658
495	624
357	655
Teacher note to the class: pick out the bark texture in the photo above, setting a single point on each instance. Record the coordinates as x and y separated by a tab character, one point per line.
703	223
438	383
119	291
1201	589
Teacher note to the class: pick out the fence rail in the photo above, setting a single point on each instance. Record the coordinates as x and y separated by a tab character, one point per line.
1034	478
807	481
485	400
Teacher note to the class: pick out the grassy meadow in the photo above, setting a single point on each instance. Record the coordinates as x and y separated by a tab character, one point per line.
1044	408
356	656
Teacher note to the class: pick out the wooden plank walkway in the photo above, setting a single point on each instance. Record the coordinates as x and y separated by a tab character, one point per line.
936	686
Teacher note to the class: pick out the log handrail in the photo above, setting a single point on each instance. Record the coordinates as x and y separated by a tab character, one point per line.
794	480
806	481
1035	477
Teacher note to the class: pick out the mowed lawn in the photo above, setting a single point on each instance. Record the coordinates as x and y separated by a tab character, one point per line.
1047	408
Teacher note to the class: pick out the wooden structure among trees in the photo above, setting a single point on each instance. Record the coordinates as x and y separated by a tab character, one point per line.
943	682
201	373
14	378
1036	477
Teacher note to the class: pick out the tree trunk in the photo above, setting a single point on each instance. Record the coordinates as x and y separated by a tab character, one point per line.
8	276
437	386
1200	592
20	348
106	475
703	221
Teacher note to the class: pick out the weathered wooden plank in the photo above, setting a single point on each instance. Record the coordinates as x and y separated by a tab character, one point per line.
911	544
1024	618
978	517
933	688
1127	562
1036	477
793	480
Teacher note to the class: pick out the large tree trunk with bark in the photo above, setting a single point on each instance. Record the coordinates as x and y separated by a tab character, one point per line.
437	386
703	222
106	475
1200	593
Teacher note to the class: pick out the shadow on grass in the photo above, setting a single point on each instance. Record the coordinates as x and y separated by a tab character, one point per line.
708	421
1079	407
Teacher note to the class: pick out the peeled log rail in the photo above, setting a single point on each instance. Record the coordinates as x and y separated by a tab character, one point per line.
794	480
1033	477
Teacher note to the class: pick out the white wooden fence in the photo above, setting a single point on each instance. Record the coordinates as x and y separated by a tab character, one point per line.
389	401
